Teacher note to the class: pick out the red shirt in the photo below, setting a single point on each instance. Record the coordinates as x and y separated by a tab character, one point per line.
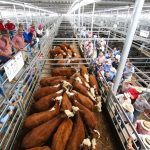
2	27
10	26
134	93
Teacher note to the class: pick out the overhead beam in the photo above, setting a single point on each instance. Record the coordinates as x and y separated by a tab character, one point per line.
85	2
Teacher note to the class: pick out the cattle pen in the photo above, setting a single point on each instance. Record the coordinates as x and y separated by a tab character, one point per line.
79	83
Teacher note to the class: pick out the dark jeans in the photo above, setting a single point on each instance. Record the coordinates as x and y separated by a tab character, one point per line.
12	33
3	59
33	43
136	114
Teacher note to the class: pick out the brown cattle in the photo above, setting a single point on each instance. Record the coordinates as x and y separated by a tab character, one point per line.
77	135
62	135
93	83
88	116
63	71
66	104
41	92
84	100
37	119
39	135
40	148
46	102
47	81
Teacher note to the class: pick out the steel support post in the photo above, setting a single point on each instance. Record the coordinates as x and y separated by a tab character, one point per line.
30	15
16	14
108	40
25	15
93	16
82	15
79	18
128	42
1	15
127	20
74	21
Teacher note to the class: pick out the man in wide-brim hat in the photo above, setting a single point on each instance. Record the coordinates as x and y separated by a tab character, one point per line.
142	127
141	105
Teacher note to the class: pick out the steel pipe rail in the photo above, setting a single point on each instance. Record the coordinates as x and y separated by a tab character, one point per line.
24	89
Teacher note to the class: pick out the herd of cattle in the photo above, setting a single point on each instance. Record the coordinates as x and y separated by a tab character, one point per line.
63	113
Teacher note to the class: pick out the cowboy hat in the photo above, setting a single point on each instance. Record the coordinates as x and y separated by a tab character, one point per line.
145	124
112	69
138	89
127	80
108	61
127	95
118	57
146	140
129	107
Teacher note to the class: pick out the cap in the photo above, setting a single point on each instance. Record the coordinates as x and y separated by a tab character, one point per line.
127	80
138	89
4	32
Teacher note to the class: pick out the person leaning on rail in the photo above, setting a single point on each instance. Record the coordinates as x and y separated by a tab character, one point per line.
18	42
128	71
128	108
143	129
5	47
141	105
10	26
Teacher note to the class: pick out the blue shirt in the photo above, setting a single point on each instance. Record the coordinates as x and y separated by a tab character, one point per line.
106	67
4	119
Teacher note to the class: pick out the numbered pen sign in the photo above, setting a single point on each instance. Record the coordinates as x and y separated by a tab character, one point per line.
144	33
13	66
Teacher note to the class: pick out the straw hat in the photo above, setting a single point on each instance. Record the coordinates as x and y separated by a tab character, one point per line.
112	69
108	62
127	80
146	140
129	107
127	95
146	125
118	57
138	89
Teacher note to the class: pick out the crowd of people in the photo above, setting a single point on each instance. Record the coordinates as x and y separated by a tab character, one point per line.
16	38
133	99
13	39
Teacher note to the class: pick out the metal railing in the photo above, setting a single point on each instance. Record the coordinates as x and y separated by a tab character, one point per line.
121	122
22	91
